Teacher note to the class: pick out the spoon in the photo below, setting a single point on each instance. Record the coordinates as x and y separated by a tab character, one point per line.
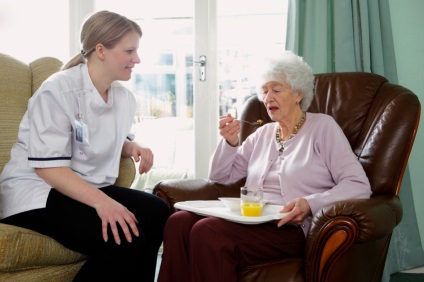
258	122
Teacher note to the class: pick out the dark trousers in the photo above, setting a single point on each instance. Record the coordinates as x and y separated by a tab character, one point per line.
78	227
211	249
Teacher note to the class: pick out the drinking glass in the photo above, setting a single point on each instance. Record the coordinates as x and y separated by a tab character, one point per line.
251	201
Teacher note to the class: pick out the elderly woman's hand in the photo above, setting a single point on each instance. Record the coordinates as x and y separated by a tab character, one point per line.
298	209
229	128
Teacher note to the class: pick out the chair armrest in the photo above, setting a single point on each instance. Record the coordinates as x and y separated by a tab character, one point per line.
126	172
178	190
335	230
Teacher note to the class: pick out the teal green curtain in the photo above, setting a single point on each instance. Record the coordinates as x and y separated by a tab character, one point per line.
356	35
343	35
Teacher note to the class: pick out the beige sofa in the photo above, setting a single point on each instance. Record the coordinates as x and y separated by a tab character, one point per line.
26	255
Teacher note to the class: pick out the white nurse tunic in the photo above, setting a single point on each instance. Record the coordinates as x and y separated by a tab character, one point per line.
67	124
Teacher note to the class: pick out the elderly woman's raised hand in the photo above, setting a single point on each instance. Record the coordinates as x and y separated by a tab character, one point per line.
229	128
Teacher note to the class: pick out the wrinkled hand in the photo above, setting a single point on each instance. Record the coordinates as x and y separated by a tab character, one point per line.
298	209
229	128
144	156
112	213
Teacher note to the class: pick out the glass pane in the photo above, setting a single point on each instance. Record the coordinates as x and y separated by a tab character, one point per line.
29	31
247	32
162	83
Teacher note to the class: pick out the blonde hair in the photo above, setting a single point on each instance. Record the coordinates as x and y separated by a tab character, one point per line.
102	27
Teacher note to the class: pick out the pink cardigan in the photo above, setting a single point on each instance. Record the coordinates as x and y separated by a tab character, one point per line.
317	164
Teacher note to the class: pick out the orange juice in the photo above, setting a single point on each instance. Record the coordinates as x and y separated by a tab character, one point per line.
251	209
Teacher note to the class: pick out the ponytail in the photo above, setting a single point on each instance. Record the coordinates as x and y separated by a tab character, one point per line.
76	60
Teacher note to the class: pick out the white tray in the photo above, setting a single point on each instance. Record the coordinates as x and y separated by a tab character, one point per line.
217	209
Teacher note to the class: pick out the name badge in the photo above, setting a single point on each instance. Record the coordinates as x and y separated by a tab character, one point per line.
81	132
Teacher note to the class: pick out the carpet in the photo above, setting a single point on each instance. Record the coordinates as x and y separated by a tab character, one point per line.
407	277
397	277
157	266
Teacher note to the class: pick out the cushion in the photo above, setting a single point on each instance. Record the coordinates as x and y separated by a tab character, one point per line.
35	250
53	273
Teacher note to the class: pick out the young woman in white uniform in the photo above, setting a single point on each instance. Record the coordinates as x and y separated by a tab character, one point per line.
60	179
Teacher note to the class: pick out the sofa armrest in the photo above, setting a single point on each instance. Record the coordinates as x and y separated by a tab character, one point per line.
335	230
178	190
126	172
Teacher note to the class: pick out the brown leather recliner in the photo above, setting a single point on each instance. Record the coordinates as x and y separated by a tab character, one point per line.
348	240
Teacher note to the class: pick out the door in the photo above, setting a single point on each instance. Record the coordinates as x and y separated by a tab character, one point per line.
164	84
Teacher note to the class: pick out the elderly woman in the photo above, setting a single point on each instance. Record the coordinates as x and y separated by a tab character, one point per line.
302	160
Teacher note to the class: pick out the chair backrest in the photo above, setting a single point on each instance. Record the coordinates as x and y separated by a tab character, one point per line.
18	81
380	120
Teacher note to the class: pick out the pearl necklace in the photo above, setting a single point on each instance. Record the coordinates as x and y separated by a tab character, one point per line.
280	140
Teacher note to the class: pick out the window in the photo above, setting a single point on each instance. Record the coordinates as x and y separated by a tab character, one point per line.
247	32
174	118
30	30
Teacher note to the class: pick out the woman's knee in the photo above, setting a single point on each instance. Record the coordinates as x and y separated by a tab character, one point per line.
180	223
211	235
210	229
